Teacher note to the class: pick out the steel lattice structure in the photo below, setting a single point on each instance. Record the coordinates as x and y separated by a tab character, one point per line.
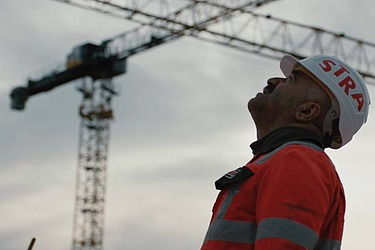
94	136
235	25
103	62
231	23
96	115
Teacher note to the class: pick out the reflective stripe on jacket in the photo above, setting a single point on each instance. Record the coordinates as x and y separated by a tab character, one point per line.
294	200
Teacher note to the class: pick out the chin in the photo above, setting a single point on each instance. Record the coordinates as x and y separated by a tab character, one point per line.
256	106
250	104
252	100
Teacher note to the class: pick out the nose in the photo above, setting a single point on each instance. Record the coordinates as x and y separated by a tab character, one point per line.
271	84
274	81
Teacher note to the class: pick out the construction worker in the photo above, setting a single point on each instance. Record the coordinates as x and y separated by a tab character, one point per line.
289	195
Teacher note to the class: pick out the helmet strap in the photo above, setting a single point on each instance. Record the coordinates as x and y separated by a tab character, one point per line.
330	126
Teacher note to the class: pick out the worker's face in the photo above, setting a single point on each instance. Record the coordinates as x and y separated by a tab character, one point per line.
276	106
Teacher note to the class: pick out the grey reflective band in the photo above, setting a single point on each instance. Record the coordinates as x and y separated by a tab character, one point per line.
328	245
217	230
232	231
308	144
288	230
227	201
281	228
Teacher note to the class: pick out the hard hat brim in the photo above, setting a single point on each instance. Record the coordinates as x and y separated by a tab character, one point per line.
287	64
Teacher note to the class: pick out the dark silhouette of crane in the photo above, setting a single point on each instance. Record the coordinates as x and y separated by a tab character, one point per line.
206	20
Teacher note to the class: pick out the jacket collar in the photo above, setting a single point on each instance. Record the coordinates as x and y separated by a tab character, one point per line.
283	135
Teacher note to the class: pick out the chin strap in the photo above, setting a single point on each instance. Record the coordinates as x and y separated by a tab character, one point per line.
331	135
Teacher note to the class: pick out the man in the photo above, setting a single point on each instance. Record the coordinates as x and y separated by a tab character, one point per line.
289	195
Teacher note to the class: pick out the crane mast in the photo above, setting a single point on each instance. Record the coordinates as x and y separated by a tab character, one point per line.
230	23
96	114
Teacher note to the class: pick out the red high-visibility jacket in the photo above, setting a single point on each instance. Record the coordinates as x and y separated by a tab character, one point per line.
292	199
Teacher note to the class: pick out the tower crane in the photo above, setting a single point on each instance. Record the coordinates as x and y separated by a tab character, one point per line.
101	63
230	23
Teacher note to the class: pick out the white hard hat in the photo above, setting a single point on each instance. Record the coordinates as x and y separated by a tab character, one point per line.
345	84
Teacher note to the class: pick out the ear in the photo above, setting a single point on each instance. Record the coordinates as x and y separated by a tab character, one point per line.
307	111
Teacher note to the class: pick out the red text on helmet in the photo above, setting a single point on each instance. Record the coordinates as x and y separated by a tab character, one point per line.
347	83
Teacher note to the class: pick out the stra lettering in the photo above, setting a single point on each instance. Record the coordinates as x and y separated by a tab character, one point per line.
347	83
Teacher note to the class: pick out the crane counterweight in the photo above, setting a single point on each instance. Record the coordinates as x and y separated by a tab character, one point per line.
87	60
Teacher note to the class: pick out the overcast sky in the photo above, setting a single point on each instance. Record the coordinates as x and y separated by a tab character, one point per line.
181	122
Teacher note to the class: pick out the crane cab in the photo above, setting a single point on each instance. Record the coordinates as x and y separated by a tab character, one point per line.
90	60
83	54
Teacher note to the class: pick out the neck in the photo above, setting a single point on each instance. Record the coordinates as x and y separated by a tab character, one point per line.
310	127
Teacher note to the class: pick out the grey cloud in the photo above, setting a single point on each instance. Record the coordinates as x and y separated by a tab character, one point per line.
181	122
